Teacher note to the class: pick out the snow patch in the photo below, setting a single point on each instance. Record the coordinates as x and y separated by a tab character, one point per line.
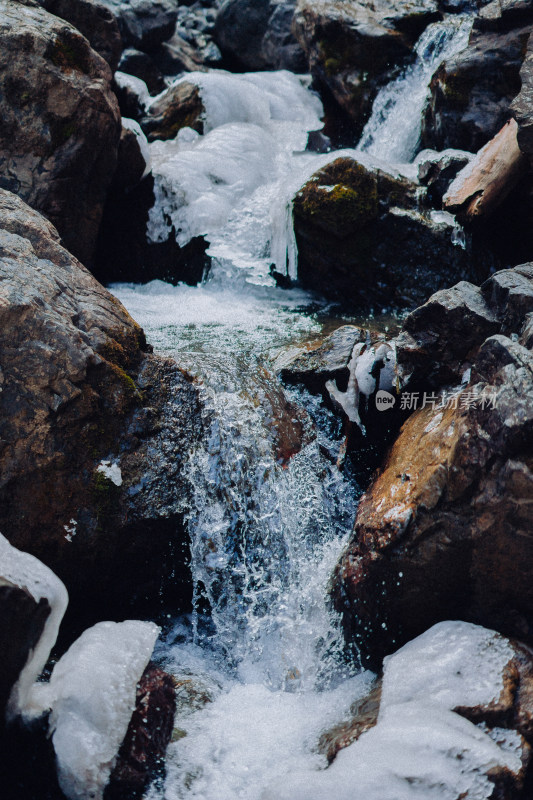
111	471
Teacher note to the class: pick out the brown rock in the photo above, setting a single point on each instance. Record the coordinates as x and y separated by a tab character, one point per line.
364	716
95	22
60	122
179	107
445	529
77	388
142	752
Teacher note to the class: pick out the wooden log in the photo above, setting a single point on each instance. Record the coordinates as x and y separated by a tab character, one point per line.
487	180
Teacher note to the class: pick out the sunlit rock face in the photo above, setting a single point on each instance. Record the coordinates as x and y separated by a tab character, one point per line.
444	530
84	414
61	122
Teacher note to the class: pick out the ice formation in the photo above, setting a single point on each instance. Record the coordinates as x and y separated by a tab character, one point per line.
92	694
420	748
27	572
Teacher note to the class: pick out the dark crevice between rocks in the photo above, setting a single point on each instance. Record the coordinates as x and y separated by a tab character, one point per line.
124	252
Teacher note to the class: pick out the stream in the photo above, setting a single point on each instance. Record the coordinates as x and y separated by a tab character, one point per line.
261	646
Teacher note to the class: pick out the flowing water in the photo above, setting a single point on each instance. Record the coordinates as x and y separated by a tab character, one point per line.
265	530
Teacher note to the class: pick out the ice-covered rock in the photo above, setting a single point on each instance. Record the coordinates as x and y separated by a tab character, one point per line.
22	571
92	694
420	746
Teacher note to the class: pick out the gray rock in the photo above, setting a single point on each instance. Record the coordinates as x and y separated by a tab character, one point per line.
144	24
439	336
60	122
142	66
180	106
510	293
436	170
522	105
257	34
471	93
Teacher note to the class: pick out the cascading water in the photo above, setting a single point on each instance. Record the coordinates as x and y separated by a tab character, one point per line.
265	531
393	131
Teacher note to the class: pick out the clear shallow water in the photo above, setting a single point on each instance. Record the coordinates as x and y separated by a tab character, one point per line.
265	531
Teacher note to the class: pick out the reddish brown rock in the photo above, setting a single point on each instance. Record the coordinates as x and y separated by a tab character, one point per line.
444	531
142	752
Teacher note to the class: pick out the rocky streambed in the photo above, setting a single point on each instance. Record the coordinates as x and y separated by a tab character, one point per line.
290	442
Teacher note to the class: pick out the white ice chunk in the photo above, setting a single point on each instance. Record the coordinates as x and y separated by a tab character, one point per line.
27	572
92	694
111	471
420	749
134	126
452	664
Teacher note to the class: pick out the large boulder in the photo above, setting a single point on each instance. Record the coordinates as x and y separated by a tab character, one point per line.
95	21
471	92
86	413
444	530
355	47
257	34
364	238
60	123
144	23
522	105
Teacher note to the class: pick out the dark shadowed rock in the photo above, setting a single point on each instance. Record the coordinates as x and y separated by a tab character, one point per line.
60	122
178	55
257	34
95	21
22	620
144	24
364	238
80	391
142	752
354	47
142	66
437	170
471	93
445	529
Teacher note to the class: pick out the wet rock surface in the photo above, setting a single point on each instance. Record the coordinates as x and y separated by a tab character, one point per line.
144	23
61	123
180	106
353	48
444	530
471	93
80	391
364	237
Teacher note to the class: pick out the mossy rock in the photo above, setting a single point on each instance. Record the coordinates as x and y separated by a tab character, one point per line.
340	198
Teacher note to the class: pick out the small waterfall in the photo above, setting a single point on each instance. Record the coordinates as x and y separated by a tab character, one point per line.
393	131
